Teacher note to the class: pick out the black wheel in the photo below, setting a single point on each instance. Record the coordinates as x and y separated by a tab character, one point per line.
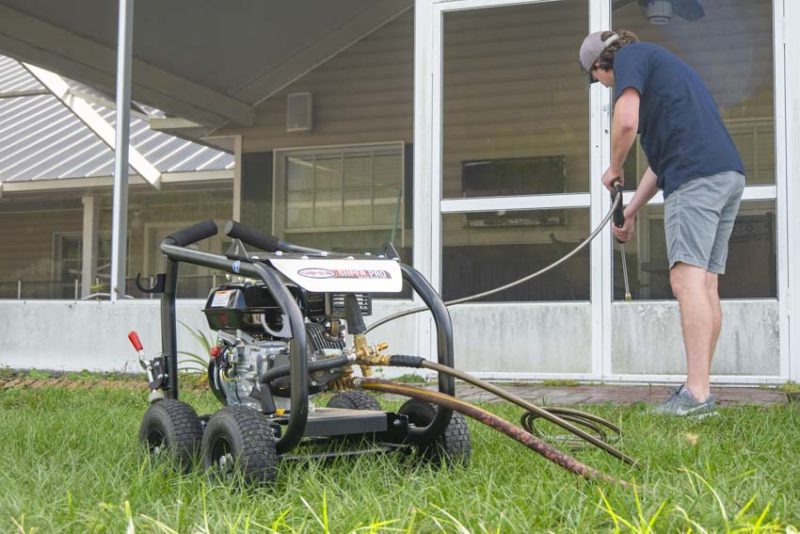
171	427
354	400
238	441
451	447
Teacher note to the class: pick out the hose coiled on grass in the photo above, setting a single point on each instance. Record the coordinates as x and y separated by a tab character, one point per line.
566	418
493	421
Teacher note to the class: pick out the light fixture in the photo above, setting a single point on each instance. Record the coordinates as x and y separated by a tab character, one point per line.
661	12
658	12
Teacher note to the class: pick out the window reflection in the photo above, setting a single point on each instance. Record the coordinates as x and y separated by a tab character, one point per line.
750	271
480	258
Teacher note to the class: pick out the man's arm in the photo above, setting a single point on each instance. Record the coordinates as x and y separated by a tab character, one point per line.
646	190
624	126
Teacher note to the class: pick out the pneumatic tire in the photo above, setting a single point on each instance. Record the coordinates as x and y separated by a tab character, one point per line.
354	400
238	441
452	447
171	428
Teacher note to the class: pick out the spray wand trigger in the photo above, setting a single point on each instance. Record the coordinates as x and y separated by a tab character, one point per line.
619	222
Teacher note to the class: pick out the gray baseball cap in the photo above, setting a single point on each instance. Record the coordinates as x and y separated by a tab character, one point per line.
591	49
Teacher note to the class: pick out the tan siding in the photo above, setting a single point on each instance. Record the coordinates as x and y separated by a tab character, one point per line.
27	241
364	94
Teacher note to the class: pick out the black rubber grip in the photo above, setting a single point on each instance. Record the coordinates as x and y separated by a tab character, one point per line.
193	234
619	211
252	237
352	312
402	360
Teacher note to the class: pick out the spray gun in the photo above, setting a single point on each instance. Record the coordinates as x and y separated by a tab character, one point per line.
619	222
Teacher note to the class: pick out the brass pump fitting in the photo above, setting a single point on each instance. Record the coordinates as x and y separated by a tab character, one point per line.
369	355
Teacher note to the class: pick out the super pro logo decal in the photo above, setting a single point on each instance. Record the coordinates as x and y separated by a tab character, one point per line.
316	272
357	274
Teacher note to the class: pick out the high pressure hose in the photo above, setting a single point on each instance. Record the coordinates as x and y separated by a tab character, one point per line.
558	416
470	298
497	423
562	417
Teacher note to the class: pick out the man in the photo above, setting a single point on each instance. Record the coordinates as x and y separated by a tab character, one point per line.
694	161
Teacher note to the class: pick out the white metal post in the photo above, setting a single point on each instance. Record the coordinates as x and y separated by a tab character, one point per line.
602	278
423	188
119	231
790	47
91	209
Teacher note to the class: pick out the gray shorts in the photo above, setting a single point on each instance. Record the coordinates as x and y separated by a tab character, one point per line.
698	220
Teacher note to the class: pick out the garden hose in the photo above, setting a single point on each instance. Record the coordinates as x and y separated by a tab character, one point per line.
497	423
470	298
564	417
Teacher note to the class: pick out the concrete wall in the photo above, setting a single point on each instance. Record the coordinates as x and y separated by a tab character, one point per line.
647	339
72	336
501	341
523	339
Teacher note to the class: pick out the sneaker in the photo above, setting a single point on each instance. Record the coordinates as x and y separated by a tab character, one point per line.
682	404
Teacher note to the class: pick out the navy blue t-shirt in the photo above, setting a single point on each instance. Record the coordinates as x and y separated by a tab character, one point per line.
681	131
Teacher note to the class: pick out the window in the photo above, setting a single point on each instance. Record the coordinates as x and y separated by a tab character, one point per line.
349	198
515	161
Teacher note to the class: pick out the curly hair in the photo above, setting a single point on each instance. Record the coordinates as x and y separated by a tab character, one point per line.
606	59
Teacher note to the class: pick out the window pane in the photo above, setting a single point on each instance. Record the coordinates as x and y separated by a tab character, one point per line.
750	271
387	206
486	250
299	173
387	169
299	210
328	173
357	172
513	92
731	49
358	208
327	208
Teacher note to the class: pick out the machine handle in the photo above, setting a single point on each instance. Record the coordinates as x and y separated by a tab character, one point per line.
266	242
193	234
252	237
619	211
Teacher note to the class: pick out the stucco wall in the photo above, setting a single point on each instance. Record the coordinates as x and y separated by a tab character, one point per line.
72	336
648	339
502	341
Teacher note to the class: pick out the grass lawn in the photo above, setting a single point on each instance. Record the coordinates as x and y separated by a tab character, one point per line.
72	463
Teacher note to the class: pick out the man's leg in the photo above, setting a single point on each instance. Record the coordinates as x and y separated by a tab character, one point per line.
699	320
713	295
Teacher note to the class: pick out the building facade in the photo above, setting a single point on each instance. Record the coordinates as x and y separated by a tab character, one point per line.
464	132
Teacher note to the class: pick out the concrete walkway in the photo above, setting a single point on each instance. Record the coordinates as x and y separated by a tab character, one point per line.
620	394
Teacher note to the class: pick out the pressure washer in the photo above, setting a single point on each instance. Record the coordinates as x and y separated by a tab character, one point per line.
290	326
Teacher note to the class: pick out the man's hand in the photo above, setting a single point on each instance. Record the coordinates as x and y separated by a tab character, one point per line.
611	176
626	232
